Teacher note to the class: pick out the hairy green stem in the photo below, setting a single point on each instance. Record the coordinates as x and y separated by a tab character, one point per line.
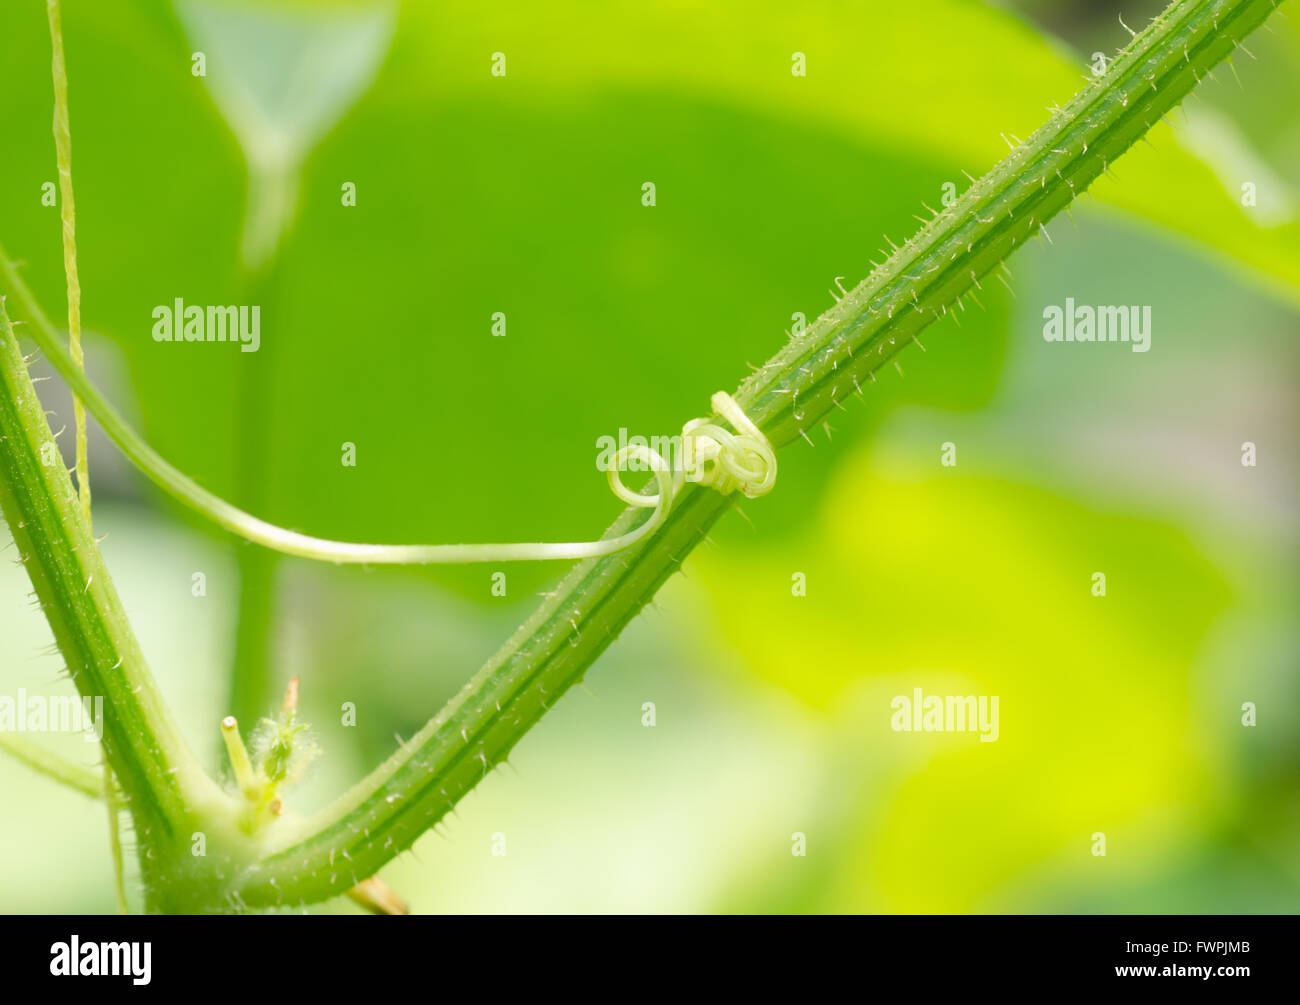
161	782
791	394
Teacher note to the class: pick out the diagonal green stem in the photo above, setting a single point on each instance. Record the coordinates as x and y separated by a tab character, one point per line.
161	782
788	396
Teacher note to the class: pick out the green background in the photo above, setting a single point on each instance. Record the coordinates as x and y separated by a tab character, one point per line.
522	194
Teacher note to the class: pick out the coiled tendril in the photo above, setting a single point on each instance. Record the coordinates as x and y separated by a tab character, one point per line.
711	456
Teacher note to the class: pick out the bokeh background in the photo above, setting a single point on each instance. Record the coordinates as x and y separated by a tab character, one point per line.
522	194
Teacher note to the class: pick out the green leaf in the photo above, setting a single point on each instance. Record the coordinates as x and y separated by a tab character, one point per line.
984	587
282	78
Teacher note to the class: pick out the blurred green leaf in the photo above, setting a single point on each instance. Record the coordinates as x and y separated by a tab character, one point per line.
282	77
959	584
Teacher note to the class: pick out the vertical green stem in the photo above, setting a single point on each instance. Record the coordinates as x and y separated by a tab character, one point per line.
115	839
252	688
68	214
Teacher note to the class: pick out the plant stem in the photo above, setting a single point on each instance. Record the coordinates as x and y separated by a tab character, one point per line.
68	214
160	779
252	685
84	780
790	395
115	839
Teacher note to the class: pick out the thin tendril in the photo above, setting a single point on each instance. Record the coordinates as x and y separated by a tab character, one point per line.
68	216
711	456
